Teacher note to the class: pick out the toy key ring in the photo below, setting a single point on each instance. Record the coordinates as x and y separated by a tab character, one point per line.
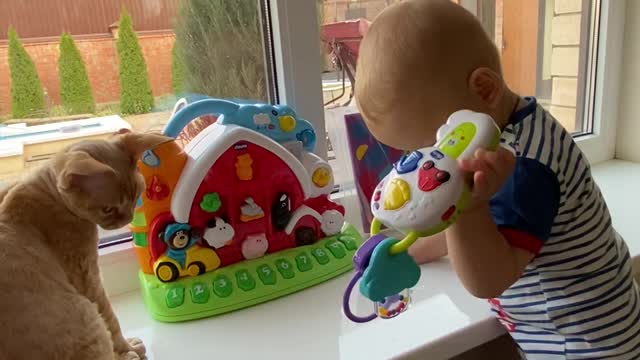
422	196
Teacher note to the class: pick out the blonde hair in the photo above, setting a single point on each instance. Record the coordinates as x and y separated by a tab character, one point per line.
417	49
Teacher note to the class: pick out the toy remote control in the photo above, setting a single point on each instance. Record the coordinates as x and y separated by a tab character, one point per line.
423	195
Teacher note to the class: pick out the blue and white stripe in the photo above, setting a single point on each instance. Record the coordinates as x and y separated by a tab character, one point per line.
577	299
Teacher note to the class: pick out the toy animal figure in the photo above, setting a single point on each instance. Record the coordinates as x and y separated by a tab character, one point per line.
250	210
243	167
281	211
220	234
179	239
255	246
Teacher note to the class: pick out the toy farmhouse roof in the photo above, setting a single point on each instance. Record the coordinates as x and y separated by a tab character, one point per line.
205	149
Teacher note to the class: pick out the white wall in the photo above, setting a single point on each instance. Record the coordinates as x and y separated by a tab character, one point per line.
628	134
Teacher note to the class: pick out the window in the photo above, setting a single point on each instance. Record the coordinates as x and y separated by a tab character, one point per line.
286	52
190	48
548	48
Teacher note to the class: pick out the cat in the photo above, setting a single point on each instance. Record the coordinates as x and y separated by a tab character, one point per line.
52	302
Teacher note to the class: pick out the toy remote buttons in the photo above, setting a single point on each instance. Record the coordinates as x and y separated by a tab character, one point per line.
240	216
423	195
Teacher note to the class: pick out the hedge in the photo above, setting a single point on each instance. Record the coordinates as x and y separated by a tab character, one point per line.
135	90
75	90
27	96
221	43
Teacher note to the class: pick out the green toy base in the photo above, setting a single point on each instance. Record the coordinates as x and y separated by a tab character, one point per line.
250	282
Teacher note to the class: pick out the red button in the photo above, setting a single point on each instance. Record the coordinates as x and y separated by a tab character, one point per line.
447	214
376	196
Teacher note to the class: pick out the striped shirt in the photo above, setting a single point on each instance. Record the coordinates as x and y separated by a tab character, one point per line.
577	298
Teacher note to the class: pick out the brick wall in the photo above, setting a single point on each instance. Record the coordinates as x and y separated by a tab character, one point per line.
565	57
100	57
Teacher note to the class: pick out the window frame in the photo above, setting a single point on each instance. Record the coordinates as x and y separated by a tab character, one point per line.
599	145
296	41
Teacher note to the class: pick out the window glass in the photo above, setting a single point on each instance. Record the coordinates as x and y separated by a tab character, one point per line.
77	70
546	47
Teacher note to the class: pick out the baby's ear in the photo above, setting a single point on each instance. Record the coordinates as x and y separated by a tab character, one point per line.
136	143
78	170
488	85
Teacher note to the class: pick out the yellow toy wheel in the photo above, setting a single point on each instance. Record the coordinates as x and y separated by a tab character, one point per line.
196	268
167	272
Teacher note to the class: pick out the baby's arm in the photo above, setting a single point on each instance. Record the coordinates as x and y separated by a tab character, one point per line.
482	257
492	243
429	249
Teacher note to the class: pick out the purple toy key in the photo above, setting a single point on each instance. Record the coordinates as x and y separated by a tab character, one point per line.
362	256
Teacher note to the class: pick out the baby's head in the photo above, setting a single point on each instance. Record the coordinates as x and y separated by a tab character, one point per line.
420	61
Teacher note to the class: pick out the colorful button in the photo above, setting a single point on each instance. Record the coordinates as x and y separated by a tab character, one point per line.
175	296
266	274
320	255
138	219
287	123
244	170
321	177
210	202
398	193
150	159
349	242
245	280
199	293
303	262
336	248
376	196
140	239
222	286
285	268
157	190
408	163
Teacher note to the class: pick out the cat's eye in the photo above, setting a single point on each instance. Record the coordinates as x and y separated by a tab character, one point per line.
108	209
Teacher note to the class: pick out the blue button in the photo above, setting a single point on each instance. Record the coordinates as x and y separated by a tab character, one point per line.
150	159
437	154
408	163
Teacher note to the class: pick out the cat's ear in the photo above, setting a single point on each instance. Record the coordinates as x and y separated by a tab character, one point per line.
80	171
136	143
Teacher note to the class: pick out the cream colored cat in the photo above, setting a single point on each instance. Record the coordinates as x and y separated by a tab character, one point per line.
52	303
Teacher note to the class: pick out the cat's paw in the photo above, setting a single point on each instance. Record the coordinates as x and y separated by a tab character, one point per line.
130	355
138	347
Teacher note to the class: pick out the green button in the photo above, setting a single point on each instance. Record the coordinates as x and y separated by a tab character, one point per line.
285	268
175	296
303	261
266	274
210	202
320	255
349	242
138	219
199	293
335	247
140	239
222	286
245	280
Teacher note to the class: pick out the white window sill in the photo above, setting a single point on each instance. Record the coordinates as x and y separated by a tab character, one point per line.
443	321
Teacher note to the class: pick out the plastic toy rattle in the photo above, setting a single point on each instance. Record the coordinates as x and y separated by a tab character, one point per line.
422	196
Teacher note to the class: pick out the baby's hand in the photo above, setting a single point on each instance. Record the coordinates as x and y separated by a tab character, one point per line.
490	170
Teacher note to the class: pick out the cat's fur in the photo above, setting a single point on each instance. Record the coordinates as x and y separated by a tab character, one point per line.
52	303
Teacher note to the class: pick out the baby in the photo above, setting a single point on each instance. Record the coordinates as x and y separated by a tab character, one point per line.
537	239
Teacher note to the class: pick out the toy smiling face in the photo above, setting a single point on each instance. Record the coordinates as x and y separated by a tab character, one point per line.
180	240
220	234
420	192
430	177
255	246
